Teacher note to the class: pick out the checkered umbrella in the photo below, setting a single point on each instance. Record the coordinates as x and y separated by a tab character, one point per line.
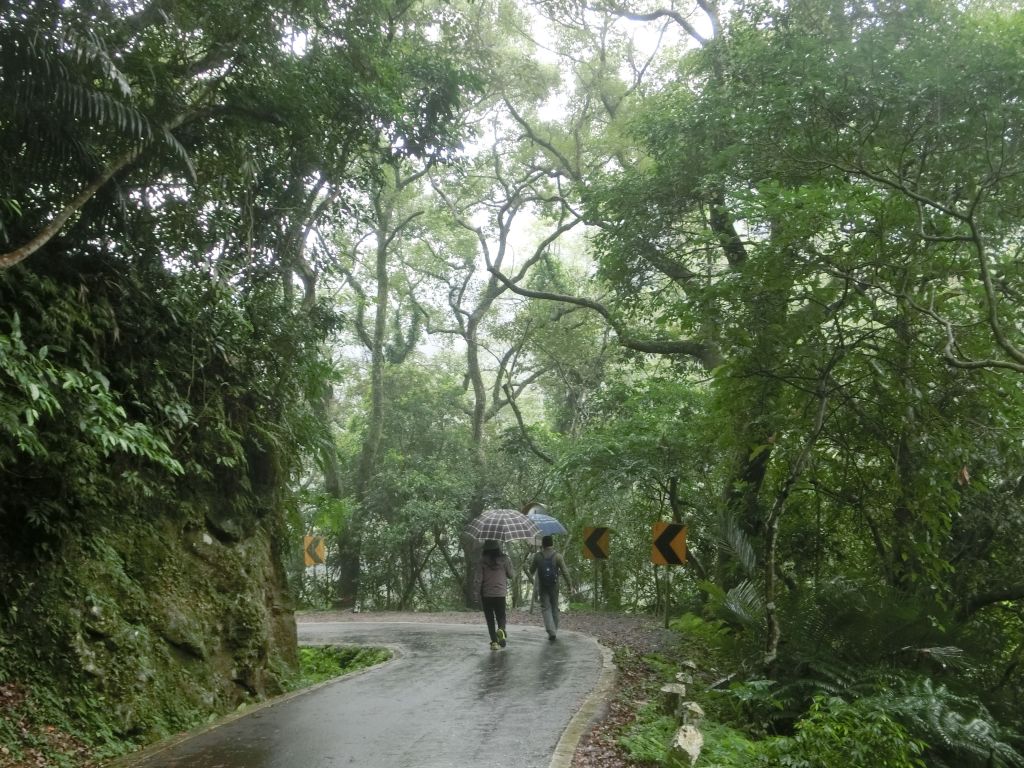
502	525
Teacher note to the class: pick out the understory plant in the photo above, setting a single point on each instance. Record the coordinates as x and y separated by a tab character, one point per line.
878	684
859	734
318	664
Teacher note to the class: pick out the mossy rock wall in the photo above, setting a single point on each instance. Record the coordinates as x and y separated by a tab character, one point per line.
147	627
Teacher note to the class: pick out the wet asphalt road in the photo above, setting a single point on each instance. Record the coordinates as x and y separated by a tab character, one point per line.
445	701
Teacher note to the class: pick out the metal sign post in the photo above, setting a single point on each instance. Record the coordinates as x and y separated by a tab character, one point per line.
668	547
595	547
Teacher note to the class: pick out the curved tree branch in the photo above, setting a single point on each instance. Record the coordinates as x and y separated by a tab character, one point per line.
674	15
55	225
981	600
567	166
49	231
522	427
973	238
707	354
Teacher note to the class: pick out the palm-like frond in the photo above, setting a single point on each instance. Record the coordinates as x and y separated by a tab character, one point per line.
735	541
744	605
87	46
73	125
179	149
70	80
741	606
101	108
958	729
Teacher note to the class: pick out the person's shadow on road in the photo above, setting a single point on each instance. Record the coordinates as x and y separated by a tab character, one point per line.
554	660
493	675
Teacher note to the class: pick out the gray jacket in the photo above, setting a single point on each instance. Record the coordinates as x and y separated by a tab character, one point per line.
493	576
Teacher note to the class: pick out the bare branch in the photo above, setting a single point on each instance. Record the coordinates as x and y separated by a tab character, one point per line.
975	240
570	170
522	428
706	354
674	15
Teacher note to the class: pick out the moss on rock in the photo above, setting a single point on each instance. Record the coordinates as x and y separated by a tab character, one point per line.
133	633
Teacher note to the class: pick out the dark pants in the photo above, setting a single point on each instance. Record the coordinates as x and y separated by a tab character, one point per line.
494	611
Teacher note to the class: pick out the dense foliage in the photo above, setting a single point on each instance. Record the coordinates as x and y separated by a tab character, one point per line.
360	269
167	168
318	664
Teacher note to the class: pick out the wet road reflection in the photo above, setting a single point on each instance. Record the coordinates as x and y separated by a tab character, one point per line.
445	701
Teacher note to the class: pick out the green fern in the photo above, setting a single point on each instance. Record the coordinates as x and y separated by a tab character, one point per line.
744	605
73	80
850	641
959	730
734	540
868	625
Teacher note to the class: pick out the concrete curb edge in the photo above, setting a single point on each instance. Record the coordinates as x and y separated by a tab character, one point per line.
148	751
587	714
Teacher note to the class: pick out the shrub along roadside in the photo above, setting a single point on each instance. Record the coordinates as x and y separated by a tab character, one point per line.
318	664
861	718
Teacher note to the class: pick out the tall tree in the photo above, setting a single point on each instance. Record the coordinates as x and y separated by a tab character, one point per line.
780	220
394	206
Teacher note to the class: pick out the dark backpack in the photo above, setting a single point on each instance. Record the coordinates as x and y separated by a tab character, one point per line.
547	571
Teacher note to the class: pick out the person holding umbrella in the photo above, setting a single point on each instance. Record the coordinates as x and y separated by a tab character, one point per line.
493	526
548	565
492	574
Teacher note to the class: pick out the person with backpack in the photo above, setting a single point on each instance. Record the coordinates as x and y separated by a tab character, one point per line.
492	574
548	565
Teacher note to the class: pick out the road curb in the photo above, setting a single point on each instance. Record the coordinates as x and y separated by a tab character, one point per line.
150	750
587	714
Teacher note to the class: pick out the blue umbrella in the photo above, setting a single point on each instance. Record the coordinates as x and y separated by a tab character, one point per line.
547	524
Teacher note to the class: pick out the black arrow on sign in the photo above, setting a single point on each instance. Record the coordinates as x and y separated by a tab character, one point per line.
664	544
311	548
594	543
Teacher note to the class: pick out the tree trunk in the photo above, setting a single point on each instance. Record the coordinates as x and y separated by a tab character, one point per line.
351	565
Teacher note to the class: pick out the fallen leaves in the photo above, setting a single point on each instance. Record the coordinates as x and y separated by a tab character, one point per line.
38	743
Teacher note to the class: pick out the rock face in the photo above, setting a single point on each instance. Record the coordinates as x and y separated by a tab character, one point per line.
154	622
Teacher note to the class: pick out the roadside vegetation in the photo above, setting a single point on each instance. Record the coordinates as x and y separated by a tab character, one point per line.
318	664
291	272
39	729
